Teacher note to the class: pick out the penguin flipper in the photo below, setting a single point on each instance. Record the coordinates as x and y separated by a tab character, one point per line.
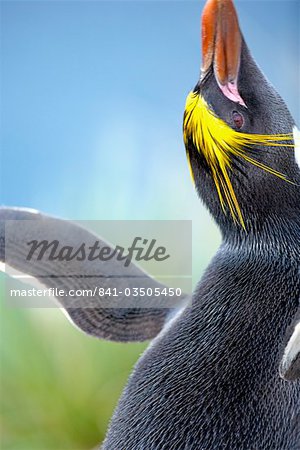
122	324
290	363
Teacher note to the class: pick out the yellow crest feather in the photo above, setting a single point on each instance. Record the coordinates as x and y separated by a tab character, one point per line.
220	144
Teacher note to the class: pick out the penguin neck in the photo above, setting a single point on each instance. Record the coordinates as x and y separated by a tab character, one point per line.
278	235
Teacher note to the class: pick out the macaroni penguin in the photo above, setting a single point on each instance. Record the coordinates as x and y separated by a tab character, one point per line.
215	375
211	381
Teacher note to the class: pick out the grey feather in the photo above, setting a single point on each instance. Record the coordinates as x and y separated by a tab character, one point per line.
100	320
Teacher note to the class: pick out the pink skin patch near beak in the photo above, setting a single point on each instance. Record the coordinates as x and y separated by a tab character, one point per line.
230	90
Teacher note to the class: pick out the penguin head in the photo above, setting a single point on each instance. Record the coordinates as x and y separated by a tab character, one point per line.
238	131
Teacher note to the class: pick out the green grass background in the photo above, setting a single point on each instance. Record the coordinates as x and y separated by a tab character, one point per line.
58	386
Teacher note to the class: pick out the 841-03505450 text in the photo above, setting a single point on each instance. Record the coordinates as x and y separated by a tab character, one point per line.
98	291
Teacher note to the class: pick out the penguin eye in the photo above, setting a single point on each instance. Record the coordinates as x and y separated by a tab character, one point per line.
238	119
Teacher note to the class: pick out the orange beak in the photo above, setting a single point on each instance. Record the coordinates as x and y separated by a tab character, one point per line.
221	45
